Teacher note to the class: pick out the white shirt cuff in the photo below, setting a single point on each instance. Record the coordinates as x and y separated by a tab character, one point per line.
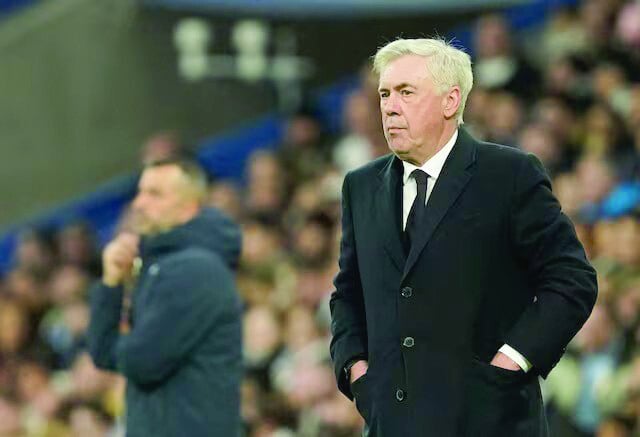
517	357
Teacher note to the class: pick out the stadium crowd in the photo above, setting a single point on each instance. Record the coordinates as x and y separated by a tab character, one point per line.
568	92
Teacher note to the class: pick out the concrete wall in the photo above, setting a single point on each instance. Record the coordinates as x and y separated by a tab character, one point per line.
82	84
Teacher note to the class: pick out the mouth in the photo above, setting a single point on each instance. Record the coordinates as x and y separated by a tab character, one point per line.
393	130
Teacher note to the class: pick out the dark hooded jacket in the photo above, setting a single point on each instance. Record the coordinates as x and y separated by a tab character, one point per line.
182	356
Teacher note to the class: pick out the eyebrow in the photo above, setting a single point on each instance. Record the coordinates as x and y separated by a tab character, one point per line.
397	87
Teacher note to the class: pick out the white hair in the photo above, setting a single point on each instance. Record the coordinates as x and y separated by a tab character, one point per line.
448	65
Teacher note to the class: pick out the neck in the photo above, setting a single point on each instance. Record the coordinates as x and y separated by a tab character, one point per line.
426	153
189	214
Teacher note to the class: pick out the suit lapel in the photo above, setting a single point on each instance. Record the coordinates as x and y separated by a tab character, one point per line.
455	175
388	211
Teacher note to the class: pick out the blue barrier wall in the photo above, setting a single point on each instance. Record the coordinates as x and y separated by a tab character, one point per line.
8	6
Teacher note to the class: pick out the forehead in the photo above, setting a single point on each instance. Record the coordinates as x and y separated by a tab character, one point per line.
161	176
409	69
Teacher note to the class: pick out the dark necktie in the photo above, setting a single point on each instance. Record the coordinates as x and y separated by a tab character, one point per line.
418	209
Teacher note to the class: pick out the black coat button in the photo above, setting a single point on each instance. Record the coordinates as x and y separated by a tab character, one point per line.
408	342
406	291
400	395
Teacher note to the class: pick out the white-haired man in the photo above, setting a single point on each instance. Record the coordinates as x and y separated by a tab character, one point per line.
461	281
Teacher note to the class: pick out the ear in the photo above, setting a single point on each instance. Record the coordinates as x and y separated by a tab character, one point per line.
451	101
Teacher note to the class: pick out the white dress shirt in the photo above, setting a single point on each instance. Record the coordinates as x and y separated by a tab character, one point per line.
433	167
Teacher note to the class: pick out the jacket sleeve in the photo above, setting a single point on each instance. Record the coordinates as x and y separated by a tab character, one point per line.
545	243
348	322
103	332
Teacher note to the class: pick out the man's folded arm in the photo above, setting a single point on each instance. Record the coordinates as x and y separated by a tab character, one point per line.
182	309
104	325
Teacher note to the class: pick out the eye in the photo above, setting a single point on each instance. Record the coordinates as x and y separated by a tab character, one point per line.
384	94
406	92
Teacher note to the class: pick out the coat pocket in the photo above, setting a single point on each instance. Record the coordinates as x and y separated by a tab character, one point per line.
497	376
360	390
498	401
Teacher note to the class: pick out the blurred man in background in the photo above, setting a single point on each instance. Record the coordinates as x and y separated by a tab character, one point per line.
446	312
181	354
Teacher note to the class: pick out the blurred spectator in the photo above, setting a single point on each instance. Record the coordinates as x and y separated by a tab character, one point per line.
628	25
633	115
14	329
88	420
539	141
504	118
628	242
88	383
595	178
28	289
497	65
63	329
68	283
369	90
476	117
304	151
566	78
604	135
76	247
33	254
10	424
226	197
312	241
355	147
579	393
610	86
261	247
266	185
161	146
563	35
262	343
557	117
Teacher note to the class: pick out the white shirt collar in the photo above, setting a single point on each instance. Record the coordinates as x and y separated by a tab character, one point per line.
434	165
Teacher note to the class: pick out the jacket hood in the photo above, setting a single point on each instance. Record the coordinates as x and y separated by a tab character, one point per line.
210	230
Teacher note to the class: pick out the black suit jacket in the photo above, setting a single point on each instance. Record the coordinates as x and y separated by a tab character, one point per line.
497	262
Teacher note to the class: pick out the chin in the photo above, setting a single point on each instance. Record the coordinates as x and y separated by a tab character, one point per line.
400	149
143	231
143	228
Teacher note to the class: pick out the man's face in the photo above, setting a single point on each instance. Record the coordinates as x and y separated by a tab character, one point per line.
163	200
412	111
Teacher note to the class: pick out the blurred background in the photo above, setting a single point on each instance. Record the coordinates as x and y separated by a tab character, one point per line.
276	99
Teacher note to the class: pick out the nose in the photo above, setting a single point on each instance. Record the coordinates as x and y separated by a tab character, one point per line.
390	105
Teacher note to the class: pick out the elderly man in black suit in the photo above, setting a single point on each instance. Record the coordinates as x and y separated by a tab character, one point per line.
461	281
